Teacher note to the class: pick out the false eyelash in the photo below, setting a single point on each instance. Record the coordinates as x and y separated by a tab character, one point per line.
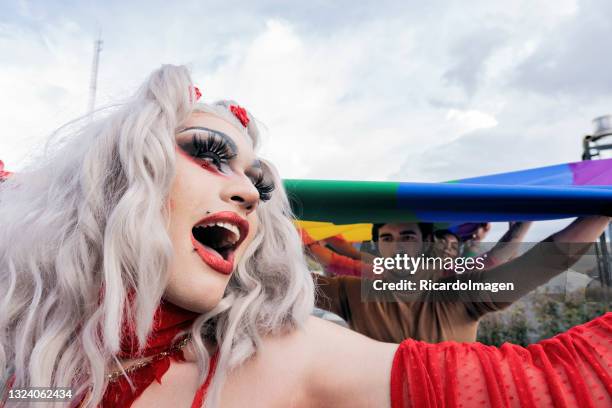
216	148
265	188
213	147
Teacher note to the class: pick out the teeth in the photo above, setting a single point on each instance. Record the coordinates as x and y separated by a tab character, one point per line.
231	240
234	229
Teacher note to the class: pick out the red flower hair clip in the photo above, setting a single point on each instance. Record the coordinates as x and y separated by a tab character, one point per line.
194	90
3	174
241	114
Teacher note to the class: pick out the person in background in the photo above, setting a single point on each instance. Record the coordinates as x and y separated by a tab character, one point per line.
446	244
441	316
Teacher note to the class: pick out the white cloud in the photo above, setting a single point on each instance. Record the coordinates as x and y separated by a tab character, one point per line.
43	85
470	120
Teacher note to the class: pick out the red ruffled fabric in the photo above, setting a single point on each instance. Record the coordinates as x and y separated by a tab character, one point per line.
120	394
572	369
168	322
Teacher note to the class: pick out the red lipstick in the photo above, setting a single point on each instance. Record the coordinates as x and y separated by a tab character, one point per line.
209	255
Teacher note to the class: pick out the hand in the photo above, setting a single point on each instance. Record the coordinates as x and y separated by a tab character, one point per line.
481	232
367	258
519	224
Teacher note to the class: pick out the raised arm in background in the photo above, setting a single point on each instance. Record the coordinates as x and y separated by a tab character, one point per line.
507	247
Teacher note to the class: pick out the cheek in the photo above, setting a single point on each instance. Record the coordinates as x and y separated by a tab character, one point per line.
386	248
192	189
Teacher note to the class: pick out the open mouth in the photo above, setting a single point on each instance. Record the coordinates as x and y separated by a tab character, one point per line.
216	238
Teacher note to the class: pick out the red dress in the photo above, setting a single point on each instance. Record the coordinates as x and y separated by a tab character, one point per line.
572	369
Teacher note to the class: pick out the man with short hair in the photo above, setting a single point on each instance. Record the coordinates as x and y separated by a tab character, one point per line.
446	315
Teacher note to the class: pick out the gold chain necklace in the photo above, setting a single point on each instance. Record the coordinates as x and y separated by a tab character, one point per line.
114	376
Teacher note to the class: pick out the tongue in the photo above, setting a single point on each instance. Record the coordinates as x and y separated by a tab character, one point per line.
212	250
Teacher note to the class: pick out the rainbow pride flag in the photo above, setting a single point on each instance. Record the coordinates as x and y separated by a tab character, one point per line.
329	207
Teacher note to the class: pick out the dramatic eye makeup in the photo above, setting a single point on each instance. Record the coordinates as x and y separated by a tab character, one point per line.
214	150
208	147
261	178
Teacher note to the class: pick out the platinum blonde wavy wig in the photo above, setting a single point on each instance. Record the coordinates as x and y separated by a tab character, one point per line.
90	216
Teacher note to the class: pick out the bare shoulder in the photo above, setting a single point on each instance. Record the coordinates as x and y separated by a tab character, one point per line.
318	365
347	369
273	376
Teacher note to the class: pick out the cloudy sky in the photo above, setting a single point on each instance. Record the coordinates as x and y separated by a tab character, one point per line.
370	90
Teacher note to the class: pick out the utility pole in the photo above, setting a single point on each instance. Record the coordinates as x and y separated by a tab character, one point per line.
592	148
93	82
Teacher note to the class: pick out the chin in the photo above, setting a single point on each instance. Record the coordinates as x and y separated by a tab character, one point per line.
196	304
200	294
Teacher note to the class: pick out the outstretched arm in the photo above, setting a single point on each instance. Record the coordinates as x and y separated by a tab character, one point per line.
343	247
337	264
333	263
583	229
346	369
535	267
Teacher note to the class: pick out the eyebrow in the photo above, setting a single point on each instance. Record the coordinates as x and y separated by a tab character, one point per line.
230	142
408	232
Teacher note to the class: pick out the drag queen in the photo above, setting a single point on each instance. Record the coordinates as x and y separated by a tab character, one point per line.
149	260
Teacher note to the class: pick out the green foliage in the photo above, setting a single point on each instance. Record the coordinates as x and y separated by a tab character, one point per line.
510	326
537	317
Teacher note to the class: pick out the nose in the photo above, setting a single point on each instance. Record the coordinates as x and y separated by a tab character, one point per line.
241	192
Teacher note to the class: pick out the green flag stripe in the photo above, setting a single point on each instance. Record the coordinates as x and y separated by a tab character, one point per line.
345	202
